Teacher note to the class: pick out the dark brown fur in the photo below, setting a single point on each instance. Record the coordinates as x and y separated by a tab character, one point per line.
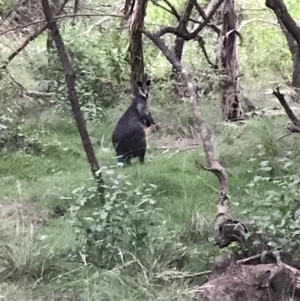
129	138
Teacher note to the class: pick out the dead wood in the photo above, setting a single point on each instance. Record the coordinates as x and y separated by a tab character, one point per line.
72	94
233	280
295	127
229	230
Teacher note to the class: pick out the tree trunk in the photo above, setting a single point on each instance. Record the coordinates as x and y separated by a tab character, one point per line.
70	80
229	65
136	44
292	34
127	11
49	42
182	26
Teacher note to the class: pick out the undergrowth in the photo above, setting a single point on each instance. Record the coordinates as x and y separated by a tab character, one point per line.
155	233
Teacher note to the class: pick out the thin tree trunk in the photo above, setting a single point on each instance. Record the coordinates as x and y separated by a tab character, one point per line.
292	34
136	44
127	11
229	64
182	26
295	52
70	80
49	42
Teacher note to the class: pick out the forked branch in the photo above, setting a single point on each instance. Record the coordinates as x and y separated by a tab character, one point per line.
192	35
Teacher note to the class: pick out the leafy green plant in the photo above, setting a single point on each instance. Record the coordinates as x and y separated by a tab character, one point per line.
129	224
275	209
100	62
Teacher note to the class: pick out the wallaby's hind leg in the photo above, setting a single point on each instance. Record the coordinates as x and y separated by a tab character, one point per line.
142	159
127	161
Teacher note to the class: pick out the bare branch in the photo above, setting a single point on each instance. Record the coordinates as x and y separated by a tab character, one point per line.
244	23
282	14
11	11
204	16
29	39
202	46
288	110
173	9
193	34
57	18
166	9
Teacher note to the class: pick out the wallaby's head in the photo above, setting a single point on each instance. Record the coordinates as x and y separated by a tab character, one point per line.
144	88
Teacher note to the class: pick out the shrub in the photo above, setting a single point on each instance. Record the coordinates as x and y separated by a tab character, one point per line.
99	60
128	225
275	209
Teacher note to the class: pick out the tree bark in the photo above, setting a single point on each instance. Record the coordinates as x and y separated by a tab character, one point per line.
127	11
282	13
70	80
136	44
292	34
228	63
50	43
211	156
295	52
182	26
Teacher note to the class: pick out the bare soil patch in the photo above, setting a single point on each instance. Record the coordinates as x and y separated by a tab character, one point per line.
231	281
25	213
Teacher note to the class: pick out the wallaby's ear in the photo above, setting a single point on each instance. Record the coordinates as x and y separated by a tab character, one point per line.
140	83
148	82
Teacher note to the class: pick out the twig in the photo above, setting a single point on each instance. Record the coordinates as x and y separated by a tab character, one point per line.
246	260
170	275
10	11
192	35
56	18
29	39
288	134
257	20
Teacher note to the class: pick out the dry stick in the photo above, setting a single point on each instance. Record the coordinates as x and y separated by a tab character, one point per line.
31	38
70	80
211	156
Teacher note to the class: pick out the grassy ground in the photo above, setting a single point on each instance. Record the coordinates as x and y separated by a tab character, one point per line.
46	263
41	257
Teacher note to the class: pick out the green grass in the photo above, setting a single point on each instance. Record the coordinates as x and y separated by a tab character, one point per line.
46	261
186	194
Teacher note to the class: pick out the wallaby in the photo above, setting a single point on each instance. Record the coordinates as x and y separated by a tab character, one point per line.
129	138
